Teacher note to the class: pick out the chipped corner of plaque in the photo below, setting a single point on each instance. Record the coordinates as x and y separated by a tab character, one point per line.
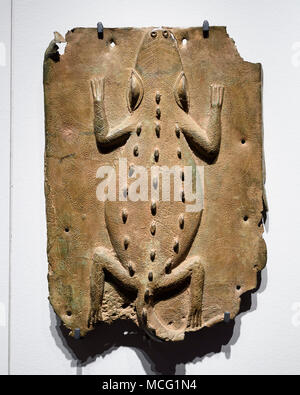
233	43
235	48
56	47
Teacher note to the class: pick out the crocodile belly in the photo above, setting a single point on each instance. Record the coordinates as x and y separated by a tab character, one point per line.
150	233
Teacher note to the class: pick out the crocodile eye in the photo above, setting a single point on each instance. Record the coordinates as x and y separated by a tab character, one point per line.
153	34
165	34
181	92
135	91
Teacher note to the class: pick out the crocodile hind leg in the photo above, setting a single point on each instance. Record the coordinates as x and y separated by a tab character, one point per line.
174	278
105	261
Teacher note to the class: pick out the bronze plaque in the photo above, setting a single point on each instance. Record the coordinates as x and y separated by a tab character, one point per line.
153	178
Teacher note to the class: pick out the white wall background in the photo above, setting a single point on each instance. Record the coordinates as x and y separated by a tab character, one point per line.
5	81
266	340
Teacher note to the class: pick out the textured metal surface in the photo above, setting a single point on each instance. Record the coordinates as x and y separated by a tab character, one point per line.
166	96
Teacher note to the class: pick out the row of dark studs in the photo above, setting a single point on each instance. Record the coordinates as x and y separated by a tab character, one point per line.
153	231
157	131
153	225
156	151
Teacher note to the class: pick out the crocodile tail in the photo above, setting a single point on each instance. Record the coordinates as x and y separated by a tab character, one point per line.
142	310
152	325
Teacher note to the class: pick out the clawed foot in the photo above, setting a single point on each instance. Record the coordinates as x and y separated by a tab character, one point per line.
94	316
216	95
97	85
194	320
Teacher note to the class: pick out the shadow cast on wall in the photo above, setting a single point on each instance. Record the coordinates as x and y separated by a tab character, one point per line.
156	357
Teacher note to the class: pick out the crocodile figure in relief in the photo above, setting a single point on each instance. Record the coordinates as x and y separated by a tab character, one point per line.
151	239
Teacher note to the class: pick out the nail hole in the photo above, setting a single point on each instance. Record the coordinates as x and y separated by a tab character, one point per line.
243	141
69	313
238	287
245	218
67	229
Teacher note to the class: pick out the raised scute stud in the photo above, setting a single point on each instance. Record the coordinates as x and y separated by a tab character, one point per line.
153	228
153	207
157	130
130	269
181	221
157	97
126	242
124	216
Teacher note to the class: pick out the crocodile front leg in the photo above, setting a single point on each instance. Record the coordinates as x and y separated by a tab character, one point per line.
104	135
174	278
207	140
104	260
